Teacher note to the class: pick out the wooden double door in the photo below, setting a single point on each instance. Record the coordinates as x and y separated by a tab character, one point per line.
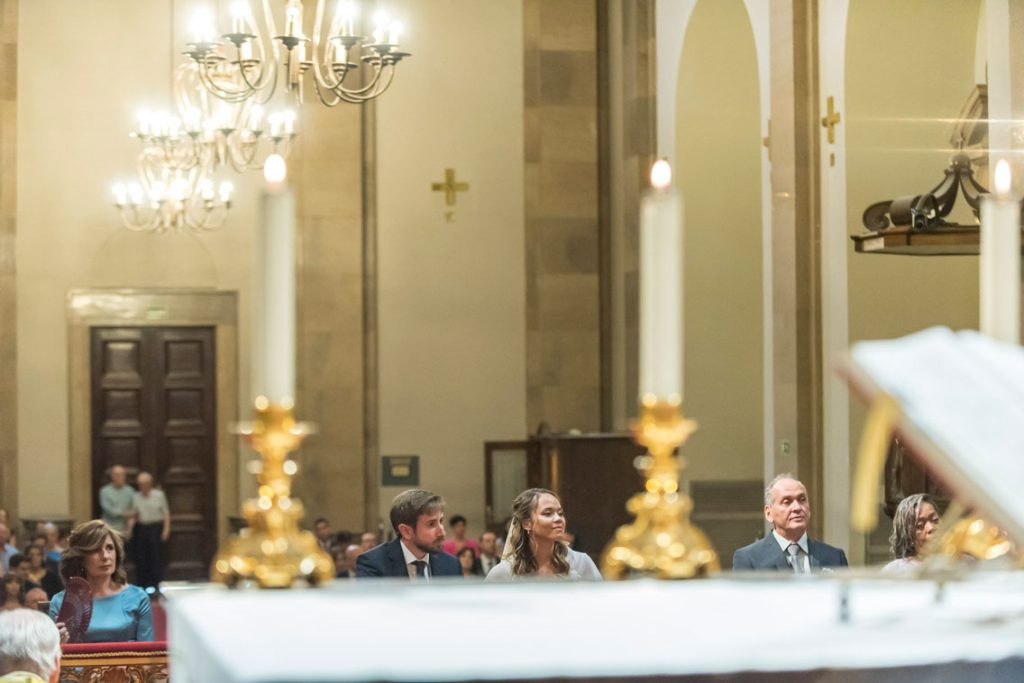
154	410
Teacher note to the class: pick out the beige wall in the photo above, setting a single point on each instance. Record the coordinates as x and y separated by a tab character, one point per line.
898	144
452	303
73	124
719	172
69	157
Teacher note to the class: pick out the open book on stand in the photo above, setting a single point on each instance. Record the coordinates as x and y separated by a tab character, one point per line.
961	412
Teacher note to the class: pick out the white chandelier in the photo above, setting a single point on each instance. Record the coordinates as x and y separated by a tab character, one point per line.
180	155
247	63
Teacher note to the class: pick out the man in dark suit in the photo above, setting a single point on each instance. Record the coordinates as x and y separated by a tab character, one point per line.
417	517
787	547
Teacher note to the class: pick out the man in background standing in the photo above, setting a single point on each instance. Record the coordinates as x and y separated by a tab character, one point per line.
152	527
7	551
116	501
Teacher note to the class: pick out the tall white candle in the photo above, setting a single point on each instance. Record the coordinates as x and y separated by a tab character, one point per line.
1000	260
274	334
661	291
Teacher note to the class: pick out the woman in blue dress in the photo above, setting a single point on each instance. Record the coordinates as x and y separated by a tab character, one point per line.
120	612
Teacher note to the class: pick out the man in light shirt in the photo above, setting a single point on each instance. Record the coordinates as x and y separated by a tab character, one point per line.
116	501
151	521
7	551
418	518
787	547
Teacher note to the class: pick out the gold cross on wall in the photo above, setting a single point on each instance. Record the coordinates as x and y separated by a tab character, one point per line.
449	187
831	120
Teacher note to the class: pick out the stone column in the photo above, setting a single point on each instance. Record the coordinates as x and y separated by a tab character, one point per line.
8	309
795	257
326	168
563	338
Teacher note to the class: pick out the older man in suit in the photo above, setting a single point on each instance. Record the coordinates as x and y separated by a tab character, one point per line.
417	517
787	547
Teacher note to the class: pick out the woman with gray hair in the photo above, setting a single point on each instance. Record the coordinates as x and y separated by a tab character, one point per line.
29	648
915	521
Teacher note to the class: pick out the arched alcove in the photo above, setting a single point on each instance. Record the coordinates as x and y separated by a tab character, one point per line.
902	94
718	153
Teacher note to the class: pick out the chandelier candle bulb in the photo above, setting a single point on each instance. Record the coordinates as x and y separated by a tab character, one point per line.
1000	260
348	22
238	12
293	18
394	32
380	25
661	277
274	338
202	27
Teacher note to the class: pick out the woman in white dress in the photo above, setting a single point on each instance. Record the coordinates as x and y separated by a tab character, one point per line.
536	545
915	521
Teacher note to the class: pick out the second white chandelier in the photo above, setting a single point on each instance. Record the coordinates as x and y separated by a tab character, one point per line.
248	62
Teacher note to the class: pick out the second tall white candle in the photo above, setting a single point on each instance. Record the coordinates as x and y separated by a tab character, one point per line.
274	342
1000	261
661	289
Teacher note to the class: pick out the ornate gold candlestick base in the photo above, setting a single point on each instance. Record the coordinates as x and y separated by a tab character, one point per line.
661	541
273	552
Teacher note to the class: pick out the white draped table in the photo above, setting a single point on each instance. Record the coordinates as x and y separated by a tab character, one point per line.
384	631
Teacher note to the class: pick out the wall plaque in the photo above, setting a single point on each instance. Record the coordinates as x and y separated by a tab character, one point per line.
400	470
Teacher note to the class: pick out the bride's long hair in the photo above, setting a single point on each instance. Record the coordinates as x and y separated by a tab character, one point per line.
517	548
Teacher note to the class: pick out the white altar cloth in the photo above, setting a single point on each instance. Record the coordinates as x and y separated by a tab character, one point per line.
384	631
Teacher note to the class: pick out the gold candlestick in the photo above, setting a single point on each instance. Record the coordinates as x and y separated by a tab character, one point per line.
273	552
661	541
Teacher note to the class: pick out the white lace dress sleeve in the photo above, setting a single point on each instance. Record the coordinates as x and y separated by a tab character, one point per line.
582	568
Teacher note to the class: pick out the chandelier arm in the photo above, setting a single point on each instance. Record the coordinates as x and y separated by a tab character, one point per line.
370	90
209	220
359	96
269	63
321	80
254	87
134	223
224	94
324	82
364	90
248	154
287	142
334	102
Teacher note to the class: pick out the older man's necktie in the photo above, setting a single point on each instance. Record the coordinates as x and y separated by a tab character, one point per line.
794	558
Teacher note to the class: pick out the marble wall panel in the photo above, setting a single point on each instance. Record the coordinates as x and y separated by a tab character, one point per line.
327	167
562	207
8	327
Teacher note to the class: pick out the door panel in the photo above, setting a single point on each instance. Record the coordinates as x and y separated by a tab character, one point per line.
154	409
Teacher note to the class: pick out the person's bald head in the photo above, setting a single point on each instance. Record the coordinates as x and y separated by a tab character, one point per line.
352	553
34	597
144	481
786	506
118	476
